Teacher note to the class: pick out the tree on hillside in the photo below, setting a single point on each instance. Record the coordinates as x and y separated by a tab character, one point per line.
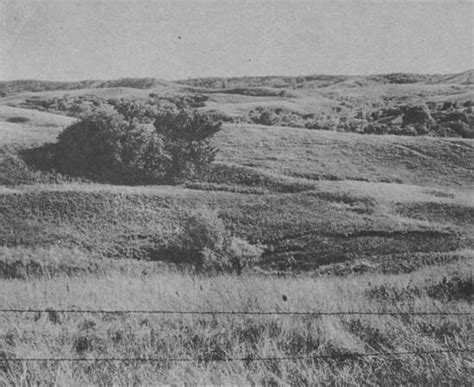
134	144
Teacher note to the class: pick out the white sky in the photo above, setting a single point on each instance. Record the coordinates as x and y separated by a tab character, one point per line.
72	40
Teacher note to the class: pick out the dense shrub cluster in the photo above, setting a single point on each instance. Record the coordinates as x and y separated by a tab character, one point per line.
205	239
133	143
276	117
449	119
263	85
78	105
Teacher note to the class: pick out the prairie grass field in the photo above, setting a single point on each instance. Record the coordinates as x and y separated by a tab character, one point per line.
348	222
210	339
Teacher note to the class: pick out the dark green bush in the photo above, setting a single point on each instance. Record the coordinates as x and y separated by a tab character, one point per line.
132	143
459	128
206	241
187	141
375	129
419	114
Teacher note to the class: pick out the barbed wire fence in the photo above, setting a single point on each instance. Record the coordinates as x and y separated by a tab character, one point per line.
251	313
347	356
249	358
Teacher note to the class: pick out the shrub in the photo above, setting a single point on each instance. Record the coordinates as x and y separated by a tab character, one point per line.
93	146
454	116
242	254
417	115
187	141
406	130
204	229
132	110
135	144
459	128
212	248
375	129
263	117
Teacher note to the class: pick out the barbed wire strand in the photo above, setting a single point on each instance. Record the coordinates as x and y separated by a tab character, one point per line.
241	359
264	313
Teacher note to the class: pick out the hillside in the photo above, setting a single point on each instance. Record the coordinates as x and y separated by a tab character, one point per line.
325	155
313	197
370	235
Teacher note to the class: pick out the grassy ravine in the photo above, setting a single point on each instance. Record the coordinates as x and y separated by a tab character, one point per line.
445	288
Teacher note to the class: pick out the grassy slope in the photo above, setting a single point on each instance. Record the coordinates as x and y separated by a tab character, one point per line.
272	187
270	184
331	155
38	128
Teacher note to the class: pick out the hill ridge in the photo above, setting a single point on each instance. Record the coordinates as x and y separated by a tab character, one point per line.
21	85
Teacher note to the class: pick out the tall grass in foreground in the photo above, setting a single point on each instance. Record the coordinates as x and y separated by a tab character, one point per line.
219	337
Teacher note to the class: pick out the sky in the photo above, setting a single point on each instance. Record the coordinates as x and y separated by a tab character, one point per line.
107	39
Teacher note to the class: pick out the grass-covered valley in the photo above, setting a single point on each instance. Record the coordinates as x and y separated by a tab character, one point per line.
348	219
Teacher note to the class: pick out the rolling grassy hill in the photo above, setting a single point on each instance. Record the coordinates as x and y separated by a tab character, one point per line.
324	155
239	97
349	222
26	128
313	197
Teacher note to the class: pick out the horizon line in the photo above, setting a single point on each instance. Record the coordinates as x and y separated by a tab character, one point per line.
235	76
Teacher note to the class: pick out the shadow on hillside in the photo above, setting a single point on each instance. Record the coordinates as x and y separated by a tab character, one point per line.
219	176
45	158
41	158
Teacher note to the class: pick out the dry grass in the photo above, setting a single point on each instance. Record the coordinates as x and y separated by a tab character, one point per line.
220	337
324	155
137	222
39	128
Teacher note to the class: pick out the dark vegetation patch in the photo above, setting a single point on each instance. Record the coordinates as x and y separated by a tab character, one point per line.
454	288
131	143
402	119
84	104
401	78
265	81
17	120
256	92
16	167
